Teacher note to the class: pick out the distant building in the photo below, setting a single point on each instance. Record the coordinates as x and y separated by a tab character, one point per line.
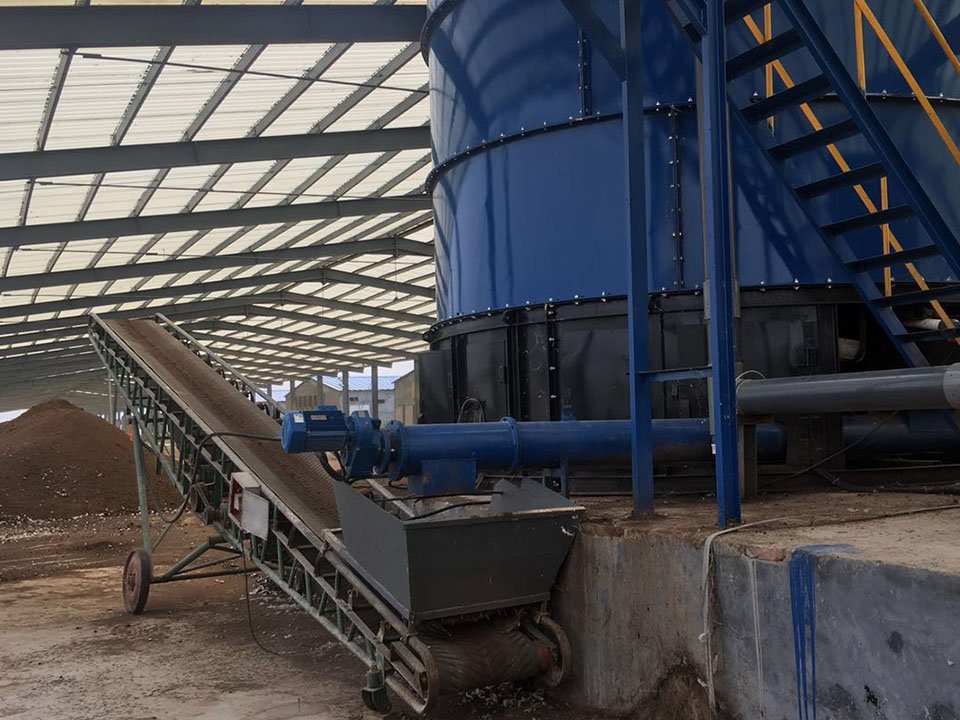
306	395
407	397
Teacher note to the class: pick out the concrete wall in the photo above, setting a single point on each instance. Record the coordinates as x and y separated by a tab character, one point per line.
886	637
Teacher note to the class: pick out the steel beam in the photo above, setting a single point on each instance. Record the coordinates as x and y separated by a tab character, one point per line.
297	352
385	246
78	344
320	320
387	354
123	158
634	159
317	275
719	288
356	308
16	236
32	28
274	365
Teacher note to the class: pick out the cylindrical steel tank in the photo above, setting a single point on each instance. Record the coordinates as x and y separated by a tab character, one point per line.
530	213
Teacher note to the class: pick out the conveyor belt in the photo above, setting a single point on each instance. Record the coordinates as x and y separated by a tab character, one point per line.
299	481
178	401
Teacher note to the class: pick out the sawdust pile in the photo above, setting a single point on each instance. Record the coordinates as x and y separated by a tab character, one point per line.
58	461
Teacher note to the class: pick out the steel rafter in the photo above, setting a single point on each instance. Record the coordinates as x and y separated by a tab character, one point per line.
17	236
387	246
387	354
315	351
339	323
124	158
26	28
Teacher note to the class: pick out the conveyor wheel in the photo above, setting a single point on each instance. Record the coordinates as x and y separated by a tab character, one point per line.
137	572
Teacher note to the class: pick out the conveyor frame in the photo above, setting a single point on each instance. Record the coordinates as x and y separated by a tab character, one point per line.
416	661
309	566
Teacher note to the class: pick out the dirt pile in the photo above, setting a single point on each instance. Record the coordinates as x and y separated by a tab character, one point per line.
58	461
678	695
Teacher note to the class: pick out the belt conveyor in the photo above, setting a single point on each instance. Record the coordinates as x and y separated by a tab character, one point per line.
214	434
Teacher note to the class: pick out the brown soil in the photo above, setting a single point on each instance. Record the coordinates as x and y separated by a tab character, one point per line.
58	461
69	651
679	695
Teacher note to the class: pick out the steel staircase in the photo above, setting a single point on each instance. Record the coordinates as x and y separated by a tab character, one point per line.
884	163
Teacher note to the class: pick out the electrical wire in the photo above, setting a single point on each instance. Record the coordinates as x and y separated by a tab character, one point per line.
331	471
479	411
253	73
833	455
246	597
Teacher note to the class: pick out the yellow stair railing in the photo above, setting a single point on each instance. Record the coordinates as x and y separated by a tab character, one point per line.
862	11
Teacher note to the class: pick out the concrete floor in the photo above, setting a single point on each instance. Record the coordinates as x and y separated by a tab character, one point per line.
69	650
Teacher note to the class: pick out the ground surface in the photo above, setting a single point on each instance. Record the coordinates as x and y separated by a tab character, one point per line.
916	530
68	650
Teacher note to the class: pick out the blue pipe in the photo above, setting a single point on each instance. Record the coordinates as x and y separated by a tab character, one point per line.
507	446
400	450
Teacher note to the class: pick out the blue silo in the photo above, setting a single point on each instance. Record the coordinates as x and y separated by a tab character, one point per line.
530	214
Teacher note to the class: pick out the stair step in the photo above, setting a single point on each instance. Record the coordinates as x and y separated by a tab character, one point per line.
868	220
815	140
895	258
842	180
919	297
736	9
800	93
760	55
929	335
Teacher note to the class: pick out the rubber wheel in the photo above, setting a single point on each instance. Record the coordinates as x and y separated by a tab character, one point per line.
137	572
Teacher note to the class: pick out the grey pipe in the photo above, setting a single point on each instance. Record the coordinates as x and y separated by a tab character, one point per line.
929	388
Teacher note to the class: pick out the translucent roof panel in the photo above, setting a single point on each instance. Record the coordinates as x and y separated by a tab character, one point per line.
77	244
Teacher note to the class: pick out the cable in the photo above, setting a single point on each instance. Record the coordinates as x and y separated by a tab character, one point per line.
479	411
331	471
246	597
254	73
831	456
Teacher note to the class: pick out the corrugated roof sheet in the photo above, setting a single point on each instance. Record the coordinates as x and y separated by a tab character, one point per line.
93	97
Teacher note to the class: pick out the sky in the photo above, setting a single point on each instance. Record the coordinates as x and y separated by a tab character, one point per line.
279	390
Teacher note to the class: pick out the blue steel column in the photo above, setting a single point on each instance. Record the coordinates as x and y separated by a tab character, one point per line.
719	294
638	298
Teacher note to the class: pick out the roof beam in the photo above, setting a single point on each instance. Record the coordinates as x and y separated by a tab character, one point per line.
314	351
387	354
378	246
291	277
15	236
282	366
293	298
122	158
78	344
342	324
180	291
140	296
26	28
